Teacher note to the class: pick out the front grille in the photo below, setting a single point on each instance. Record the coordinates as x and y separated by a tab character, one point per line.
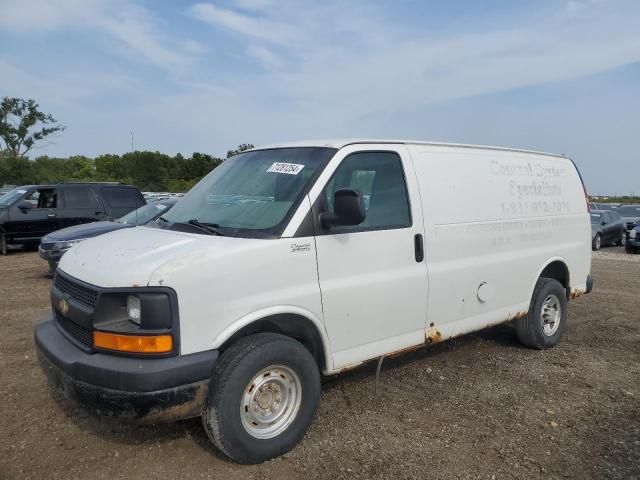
80	333
81	294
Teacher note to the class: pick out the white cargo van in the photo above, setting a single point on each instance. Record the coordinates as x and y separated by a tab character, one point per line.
291	261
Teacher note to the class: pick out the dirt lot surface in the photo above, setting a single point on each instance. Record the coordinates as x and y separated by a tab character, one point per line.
480	406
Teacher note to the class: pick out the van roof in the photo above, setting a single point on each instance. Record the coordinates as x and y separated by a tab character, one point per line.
339	143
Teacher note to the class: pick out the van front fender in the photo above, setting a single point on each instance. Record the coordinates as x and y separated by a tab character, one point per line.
273	313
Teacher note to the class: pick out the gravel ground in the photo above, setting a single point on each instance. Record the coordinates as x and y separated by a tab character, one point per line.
480	406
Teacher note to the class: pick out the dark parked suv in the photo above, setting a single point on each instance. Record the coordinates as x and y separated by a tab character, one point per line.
28	213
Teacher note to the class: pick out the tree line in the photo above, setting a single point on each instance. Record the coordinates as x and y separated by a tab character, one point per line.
149	171
23	127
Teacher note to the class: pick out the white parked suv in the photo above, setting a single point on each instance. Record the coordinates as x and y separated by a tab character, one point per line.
294	261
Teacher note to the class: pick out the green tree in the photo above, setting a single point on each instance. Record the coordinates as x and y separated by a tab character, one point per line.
241	148
23	125
110	168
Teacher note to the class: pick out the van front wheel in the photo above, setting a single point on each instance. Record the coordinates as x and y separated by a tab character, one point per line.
263	397
543	325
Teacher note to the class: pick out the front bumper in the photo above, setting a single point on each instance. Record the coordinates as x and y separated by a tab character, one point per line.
148	389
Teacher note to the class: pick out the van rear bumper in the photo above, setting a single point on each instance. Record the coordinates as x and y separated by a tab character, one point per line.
148	389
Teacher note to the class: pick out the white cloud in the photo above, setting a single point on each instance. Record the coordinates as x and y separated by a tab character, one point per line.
265	29
131	24
265	56
324	58
254	4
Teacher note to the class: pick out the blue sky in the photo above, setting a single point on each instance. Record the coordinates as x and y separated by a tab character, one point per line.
184	76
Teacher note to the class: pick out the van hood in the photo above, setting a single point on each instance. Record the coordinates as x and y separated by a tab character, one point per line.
129	257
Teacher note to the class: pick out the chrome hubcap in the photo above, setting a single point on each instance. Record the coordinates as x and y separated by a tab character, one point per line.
550	315
271	401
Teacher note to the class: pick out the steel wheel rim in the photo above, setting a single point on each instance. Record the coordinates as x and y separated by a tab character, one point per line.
271	401
550	315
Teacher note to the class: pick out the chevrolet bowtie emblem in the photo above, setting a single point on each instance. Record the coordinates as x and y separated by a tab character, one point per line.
63	305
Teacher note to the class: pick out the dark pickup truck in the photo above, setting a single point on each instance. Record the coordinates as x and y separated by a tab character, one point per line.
29	212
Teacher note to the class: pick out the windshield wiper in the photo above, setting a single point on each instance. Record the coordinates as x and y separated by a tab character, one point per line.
211	228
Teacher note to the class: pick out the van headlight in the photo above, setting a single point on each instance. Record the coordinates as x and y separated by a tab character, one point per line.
66	245
141	320
134	309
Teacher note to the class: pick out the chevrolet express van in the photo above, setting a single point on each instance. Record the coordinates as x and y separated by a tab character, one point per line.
294	261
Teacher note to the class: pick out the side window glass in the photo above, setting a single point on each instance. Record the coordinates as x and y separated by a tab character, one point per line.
43	198
117	197
379	178
32	198
80	197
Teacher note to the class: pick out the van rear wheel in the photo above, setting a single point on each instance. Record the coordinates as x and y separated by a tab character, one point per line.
543	325
263	397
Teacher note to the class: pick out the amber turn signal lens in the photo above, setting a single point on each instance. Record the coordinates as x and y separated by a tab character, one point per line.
133	343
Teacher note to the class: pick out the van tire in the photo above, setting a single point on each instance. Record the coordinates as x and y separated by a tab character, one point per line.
597	242
534	330
237	367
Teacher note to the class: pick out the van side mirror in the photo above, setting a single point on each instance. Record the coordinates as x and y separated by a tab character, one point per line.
348	209
24	206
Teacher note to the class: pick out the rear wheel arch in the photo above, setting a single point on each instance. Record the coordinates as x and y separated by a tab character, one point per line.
556	269
292	325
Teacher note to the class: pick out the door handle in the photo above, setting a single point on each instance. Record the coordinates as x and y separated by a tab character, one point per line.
418	245
51	215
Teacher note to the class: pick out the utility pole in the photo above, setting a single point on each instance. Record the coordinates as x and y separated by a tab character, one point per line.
131	141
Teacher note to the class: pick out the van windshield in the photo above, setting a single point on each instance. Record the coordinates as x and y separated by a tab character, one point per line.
11	196
252	194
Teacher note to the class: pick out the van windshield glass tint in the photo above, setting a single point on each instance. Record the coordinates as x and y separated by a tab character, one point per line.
254	193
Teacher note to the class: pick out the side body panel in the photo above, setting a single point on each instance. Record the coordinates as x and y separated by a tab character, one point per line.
494	220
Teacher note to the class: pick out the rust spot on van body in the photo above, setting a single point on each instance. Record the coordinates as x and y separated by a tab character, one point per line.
432	335
350	367
575	293
404	350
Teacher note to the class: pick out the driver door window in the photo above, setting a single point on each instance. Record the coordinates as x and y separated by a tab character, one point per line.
379	178
46	198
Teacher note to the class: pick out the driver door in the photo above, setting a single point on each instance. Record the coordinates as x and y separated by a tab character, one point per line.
373	281
30	225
